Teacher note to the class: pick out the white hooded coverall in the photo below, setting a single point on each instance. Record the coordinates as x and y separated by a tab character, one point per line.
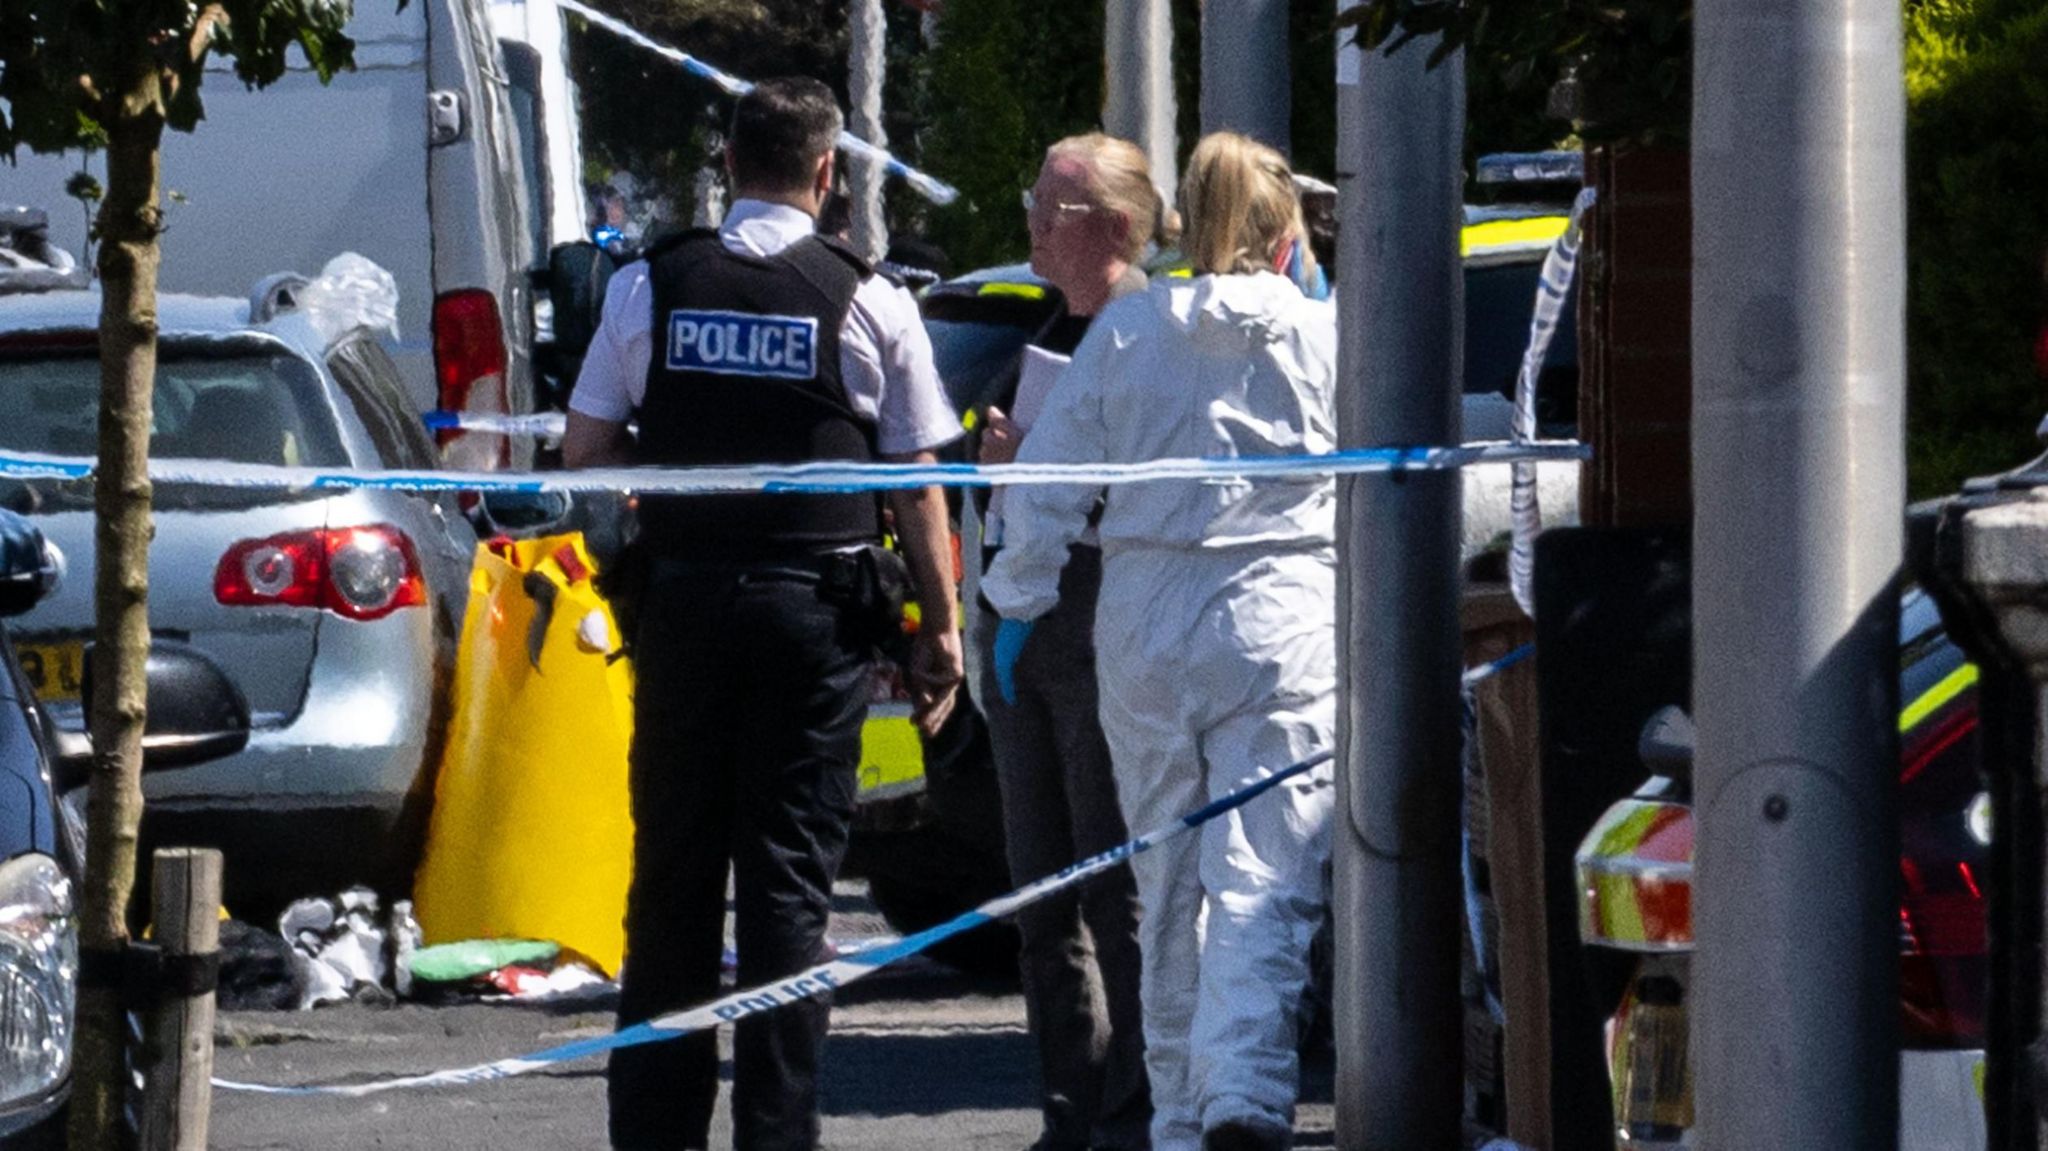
1215	642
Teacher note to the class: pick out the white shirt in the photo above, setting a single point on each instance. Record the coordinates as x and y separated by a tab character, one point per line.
1215	366
885	357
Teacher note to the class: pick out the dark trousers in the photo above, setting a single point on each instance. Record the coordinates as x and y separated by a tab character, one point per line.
748	706
1080	948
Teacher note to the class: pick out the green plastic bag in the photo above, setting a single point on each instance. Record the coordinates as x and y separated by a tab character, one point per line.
457	962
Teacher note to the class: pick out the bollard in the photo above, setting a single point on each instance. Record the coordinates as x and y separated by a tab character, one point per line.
177	1095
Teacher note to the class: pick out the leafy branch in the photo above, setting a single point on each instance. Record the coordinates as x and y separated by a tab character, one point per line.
1620	70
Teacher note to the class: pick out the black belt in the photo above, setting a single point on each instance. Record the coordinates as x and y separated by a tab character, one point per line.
815	567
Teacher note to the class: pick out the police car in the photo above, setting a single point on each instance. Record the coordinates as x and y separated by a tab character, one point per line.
929	834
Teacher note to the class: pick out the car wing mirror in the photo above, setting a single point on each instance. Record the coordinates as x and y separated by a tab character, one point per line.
196	713
30	566
524	513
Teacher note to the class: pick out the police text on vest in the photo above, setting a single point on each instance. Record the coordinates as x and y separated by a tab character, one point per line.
740	344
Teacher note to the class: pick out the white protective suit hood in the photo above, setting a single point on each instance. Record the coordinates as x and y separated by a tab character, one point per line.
1209	366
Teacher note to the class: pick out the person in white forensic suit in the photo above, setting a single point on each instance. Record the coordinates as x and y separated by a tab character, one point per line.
1215	632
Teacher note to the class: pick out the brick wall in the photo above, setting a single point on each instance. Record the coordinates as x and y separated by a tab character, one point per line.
1635	320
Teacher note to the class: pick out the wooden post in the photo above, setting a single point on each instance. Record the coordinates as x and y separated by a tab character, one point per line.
178	1081
1508	748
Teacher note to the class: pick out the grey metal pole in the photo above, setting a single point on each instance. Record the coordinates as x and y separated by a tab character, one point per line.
1137	90
1246	81
1798	387
867	57
1400	297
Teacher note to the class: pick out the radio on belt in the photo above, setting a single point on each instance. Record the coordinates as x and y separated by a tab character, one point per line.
742	344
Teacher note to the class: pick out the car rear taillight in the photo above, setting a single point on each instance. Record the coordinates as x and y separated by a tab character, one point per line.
362	573
469	355
1944	961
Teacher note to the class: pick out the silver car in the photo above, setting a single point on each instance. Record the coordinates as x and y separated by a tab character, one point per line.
335	616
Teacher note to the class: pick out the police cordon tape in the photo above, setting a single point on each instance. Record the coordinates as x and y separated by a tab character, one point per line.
812	477
932	188
1485	671
809	984
839	972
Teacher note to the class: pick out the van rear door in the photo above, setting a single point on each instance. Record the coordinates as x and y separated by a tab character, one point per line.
482	248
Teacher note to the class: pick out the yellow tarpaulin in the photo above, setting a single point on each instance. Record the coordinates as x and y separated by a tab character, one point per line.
532	833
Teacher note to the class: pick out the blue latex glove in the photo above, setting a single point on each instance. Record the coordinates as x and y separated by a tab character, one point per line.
1010	637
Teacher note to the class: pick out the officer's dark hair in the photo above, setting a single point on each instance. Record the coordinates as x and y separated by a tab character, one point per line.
779	131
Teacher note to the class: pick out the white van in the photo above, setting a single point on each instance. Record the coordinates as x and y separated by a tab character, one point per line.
536	47
415	159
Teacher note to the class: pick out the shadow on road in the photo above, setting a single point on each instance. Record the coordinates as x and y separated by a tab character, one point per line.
921	981
933	1073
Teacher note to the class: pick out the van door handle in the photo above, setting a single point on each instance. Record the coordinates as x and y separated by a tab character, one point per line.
444	117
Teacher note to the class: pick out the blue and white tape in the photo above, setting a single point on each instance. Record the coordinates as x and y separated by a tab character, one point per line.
539	425
1485	671
810	984
1553	288
933	189
812	477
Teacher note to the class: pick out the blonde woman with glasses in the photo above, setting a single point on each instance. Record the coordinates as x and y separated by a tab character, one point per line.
1091	212
1214	633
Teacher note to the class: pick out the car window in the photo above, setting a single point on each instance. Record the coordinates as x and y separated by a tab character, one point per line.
252	404
971	357
976	337
522	67
371	382
1500	300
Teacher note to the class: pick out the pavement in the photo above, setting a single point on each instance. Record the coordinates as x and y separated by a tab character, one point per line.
920	1057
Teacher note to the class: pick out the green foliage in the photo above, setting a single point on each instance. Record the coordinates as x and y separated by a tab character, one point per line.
1008	78
68	68
643	115
1622	68
1313	40
1977	196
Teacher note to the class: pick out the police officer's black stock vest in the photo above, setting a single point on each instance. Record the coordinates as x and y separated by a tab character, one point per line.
745	370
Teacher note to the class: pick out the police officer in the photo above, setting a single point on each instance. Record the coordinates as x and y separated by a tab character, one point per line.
758	343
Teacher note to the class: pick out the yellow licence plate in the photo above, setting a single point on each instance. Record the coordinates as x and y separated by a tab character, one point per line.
53	669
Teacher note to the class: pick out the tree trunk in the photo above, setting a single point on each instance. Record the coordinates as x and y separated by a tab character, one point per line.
129	222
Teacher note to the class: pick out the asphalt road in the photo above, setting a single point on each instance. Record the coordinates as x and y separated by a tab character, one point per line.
920	1057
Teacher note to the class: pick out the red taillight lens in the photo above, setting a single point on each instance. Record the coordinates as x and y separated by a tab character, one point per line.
469	350
283	570
363	573
1944	970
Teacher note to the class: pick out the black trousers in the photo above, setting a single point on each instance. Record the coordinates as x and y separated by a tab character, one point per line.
1079	958
748	706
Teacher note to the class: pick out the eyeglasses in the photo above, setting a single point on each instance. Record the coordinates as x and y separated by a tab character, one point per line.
1059	206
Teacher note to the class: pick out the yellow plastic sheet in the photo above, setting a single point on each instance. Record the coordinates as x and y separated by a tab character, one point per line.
532	830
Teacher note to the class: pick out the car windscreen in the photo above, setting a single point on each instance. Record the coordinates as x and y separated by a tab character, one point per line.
248	405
